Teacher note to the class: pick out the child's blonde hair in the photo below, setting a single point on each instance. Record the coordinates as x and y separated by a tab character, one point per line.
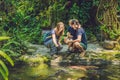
70	21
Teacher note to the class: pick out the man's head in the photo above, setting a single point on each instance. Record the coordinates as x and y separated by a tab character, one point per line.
75	24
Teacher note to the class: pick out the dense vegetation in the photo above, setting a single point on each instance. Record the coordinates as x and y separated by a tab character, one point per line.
23	20
3	68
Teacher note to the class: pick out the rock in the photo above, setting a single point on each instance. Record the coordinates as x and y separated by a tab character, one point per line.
108	44
31	50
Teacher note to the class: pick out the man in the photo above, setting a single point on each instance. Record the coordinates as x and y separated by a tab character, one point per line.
79	40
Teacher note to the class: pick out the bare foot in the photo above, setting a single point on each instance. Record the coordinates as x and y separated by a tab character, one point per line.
82	54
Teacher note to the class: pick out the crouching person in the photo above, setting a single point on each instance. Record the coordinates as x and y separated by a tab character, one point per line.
79	40
52	38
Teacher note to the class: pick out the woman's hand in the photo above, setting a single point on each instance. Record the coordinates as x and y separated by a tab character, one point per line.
59	48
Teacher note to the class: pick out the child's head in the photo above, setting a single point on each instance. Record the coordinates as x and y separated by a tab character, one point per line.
70	21
69	35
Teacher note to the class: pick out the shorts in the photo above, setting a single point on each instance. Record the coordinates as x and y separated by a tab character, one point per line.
83	45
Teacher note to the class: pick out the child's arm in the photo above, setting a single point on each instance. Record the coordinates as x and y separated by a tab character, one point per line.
69	35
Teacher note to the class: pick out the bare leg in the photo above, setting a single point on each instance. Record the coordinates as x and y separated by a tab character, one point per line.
69	44
79	47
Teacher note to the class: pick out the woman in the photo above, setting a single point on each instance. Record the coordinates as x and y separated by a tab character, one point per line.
53	40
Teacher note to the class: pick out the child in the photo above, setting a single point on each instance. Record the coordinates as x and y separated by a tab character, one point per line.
69	37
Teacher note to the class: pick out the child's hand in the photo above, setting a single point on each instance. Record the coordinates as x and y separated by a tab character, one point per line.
69	35
65	40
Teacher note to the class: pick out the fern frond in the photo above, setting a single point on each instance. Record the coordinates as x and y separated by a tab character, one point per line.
11	53
4	38
11	42
7	57
4	67
3	73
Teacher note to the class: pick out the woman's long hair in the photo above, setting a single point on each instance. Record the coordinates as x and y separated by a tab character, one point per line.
57	28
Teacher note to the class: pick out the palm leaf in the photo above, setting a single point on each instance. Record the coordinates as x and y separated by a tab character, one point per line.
3	73
4	38
7	57
4	67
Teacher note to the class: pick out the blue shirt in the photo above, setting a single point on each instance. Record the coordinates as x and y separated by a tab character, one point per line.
75	33
72	32
81	32
48	35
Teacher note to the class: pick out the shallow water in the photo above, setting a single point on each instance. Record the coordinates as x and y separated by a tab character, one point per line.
45	72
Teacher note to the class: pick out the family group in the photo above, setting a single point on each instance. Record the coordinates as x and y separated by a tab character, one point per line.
75	39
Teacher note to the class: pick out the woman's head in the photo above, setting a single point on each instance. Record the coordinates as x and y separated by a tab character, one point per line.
60	25
60	28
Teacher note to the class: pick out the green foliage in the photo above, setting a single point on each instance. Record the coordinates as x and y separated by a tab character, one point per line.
20	22
111	33
14	48
90	35
74	11
117	56
81	12
96	2
118	8
23	20
7	57
3	68
4	38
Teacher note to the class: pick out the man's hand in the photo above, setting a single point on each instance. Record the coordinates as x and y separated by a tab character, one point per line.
70	41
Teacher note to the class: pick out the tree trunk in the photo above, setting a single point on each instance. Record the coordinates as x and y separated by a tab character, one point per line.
107	16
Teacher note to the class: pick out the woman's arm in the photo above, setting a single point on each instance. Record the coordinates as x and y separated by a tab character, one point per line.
54	40
59	41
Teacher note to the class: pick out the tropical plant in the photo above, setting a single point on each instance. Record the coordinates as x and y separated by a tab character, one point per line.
3	68
107	16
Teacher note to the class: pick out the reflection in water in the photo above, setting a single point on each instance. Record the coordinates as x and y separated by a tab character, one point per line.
110	72
44	72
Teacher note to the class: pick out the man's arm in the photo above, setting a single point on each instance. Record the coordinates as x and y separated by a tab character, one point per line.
76	40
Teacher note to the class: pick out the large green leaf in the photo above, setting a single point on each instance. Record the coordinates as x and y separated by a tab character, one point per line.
3	73
4	67
4	38
7	57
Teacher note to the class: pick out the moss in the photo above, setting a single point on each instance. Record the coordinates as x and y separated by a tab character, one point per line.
34	59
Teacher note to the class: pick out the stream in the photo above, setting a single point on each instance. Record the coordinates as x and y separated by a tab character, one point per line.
88	69
45	72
